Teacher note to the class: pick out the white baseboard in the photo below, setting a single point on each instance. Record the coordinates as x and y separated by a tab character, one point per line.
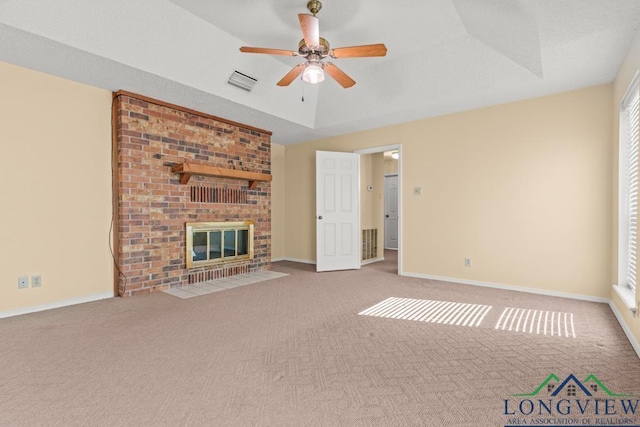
372	260
510	287
57	304
614	308
302	261
632	339
627	331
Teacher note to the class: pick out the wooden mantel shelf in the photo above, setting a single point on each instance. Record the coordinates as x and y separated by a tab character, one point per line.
187	169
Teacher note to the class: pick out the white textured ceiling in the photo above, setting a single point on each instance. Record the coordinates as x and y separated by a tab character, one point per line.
443	55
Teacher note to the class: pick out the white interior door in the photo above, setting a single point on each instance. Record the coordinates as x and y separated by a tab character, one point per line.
337	211
391	212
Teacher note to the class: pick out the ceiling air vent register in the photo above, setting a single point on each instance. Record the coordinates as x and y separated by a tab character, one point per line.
242	81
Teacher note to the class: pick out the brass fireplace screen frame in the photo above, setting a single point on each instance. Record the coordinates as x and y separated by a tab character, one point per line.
218	242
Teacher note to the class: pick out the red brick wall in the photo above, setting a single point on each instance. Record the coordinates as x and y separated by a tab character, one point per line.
154	207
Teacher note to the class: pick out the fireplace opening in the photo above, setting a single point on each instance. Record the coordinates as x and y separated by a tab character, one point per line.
211	243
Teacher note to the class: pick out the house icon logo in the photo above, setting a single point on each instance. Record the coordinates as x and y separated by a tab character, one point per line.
570	401
572	387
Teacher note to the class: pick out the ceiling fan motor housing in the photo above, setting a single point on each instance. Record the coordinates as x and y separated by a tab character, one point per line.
322	49
314	6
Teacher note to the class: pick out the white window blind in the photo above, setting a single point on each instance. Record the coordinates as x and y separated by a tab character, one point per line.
630	135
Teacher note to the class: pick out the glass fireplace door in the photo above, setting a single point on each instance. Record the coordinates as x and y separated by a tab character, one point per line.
211	243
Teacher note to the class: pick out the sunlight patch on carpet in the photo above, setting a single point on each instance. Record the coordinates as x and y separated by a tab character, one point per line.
421	310
539	322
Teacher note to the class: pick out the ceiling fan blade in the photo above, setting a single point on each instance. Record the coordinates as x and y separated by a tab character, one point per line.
338	75
291	75
368	50
248	49
310	29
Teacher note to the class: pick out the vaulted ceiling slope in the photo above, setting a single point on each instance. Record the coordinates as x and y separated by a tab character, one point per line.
443	55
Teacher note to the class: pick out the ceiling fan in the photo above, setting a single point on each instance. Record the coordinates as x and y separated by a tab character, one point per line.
315	49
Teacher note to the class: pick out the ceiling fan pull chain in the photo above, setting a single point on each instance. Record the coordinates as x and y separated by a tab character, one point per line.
302	88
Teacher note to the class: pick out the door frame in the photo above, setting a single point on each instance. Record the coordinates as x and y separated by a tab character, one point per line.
384	195
382	149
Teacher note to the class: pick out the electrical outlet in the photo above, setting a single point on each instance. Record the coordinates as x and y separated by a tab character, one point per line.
23	282
36	281
467	262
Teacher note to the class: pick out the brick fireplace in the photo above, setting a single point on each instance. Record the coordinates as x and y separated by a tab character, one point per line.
155	144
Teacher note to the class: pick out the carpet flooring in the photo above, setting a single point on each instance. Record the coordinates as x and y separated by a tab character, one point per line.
293	351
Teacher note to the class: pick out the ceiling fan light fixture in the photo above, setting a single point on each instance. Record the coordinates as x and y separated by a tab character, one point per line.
313	73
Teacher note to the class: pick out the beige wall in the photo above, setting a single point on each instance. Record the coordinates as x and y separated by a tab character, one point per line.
56	189
523	189
628	69
366	197
277	201
372	202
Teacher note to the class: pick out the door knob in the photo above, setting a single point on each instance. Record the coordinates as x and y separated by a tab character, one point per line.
320	217
386	216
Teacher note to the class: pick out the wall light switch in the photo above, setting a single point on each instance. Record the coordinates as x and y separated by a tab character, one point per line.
417	191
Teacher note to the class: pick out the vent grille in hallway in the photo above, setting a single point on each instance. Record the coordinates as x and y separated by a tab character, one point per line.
369	244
